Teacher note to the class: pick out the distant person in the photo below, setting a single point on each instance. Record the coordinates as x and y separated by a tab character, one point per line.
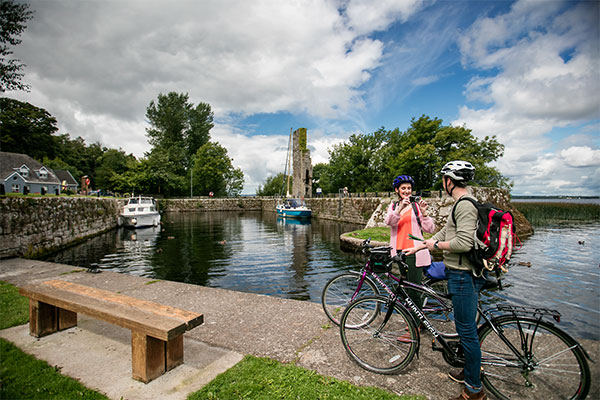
406	217
455	239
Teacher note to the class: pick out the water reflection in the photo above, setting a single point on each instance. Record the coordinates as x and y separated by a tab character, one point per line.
261	253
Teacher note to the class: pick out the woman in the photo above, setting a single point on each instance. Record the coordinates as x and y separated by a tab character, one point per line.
405	217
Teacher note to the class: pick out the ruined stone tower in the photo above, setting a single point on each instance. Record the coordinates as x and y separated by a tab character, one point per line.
302	165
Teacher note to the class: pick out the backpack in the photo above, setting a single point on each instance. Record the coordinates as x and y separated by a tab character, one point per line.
494	238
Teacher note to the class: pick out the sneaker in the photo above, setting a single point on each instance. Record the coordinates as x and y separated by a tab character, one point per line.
457	376
467	395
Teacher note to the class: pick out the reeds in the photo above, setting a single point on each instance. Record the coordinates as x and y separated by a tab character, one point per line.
544	213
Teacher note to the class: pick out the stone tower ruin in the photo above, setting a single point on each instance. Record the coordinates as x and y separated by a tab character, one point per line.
302	165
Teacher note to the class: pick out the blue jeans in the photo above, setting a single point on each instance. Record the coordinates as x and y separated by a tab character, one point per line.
464	289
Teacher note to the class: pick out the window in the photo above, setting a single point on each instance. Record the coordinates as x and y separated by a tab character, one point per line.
43	173
24	171
16	188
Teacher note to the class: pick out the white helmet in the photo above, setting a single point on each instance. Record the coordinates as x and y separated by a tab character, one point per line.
461	171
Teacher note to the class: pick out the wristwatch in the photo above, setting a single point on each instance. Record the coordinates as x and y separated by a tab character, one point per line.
435	245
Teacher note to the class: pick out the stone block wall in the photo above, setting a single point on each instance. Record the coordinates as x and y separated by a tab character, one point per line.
33	225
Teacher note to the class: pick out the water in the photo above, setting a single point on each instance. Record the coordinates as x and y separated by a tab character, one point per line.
259	253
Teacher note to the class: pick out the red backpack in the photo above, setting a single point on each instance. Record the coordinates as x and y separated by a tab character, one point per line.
494	238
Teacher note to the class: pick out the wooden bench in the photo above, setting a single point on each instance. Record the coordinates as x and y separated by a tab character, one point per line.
156	330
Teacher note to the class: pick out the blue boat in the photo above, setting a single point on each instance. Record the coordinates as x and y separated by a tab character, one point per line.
293	208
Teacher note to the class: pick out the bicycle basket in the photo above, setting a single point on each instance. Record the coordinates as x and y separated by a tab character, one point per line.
379	260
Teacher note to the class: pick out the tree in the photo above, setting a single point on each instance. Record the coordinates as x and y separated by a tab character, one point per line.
214	172
13	18
358	163
177	128
274	185
26	129
427	145
112	163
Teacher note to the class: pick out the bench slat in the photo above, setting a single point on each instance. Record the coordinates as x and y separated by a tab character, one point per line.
191	319
125	312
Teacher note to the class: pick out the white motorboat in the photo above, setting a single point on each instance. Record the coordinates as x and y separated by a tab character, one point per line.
140	212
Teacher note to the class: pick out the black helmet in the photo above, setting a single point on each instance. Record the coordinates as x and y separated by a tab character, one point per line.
460	171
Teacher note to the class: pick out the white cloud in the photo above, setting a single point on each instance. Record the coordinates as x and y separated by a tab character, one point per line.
581	156
365	17
540	74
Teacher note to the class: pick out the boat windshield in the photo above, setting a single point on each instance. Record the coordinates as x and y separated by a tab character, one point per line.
295	202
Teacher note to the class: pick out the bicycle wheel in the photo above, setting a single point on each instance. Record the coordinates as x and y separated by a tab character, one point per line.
338	292
554	368
384	348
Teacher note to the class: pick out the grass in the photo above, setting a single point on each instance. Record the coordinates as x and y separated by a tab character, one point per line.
544	213
24	377
378	234
262	378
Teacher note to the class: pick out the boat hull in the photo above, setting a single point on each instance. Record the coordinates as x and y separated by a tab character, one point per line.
139	220
291	213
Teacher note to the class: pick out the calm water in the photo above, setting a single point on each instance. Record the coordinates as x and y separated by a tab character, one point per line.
259	253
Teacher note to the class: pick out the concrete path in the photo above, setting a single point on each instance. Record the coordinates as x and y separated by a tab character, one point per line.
99	354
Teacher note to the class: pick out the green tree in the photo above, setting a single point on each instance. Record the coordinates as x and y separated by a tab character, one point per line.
177	128
112	163
213	171
274	185
322	179
357	164
427	145
26	129
13	18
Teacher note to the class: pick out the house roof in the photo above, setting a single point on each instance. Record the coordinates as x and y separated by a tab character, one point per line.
64	175
12	162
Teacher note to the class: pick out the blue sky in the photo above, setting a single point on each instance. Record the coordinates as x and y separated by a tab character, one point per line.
525	71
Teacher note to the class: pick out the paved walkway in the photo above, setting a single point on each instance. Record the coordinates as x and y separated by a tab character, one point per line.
235	324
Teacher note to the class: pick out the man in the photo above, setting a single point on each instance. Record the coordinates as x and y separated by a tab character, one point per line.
455	239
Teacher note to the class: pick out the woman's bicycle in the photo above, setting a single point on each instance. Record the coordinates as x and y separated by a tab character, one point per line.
524	355
344	288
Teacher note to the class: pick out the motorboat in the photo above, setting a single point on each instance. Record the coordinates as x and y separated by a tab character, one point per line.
139	212
293	208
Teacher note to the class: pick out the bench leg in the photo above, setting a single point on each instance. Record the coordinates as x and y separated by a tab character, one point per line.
45	318
151	357
147	357
42	318
174	352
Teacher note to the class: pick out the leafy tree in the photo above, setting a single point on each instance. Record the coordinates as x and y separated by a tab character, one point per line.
112	162
177	128
321	178
26	129
13	18
214	172
357	164
427	145
274	185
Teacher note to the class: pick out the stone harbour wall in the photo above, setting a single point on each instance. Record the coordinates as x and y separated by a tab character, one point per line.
30	226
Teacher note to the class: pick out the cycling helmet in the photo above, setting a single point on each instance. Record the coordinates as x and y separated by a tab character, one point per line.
461	171
400	179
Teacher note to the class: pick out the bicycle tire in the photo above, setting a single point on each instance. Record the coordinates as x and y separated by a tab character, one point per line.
381	348
338	292
556	366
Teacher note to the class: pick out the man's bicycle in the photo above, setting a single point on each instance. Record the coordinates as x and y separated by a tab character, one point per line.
524	355
344	288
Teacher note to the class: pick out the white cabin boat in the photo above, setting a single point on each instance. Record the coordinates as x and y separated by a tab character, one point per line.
140	212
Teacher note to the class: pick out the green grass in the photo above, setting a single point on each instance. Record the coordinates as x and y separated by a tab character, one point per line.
544	213
262	378
14	308
24	377
378	234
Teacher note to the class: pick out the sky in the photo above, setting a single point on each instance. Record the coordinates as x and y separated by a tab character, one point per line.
525	71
